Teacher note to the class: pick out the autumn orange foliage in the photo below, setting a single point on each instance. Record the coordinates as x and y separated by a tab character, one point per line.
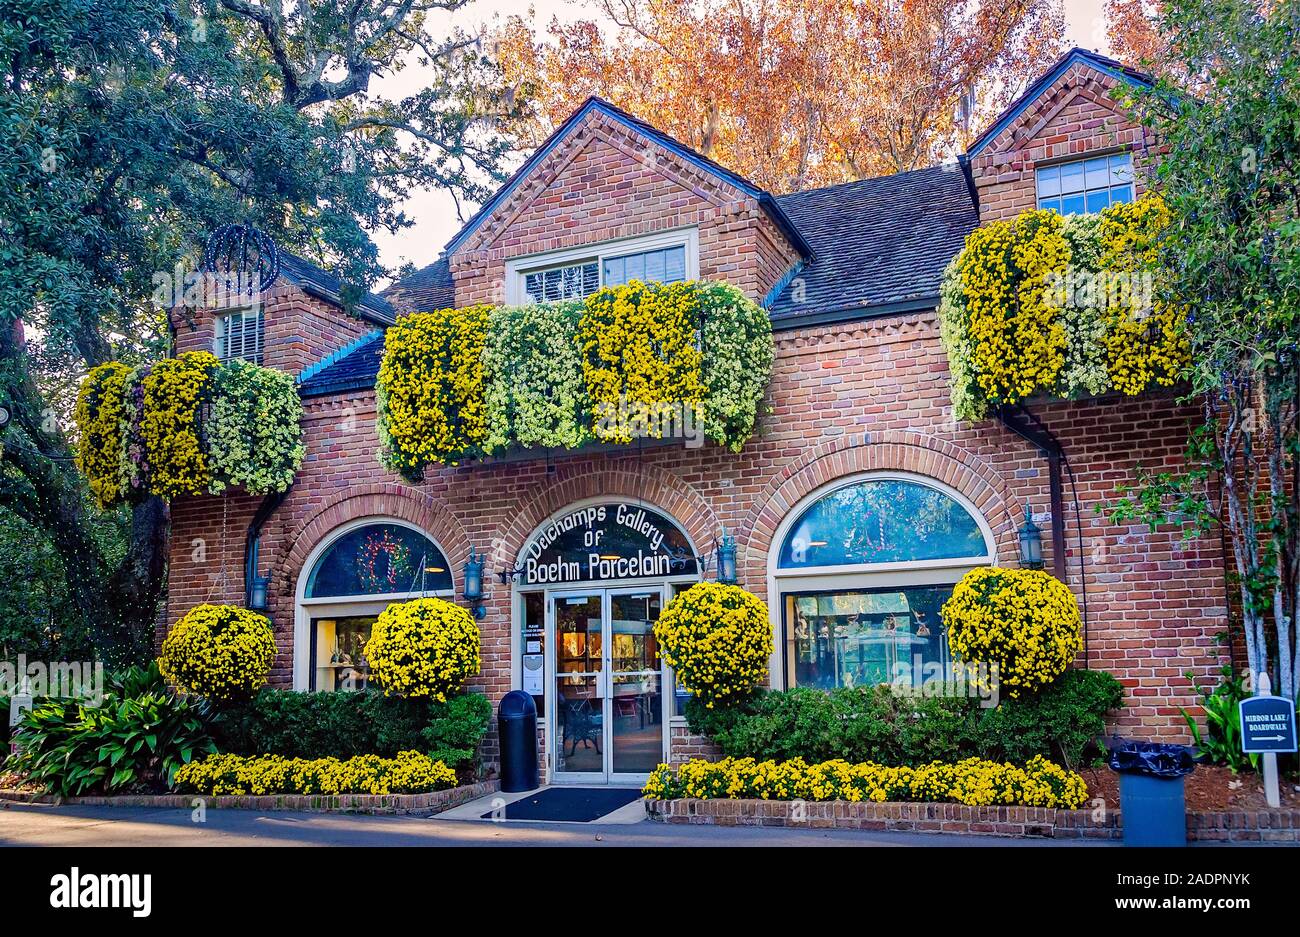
792	94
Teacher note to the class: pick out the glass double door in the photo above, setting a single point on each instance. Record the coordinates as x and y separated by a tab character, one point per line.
607	697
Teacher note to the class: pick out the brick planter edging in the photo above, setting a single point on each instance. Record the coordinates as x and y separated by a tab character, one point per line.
1237	826
411	804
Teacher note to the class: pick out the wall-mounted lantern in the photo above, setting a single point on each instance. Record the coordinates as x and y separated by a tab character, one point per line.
257	594
474	582
727	559
1031	542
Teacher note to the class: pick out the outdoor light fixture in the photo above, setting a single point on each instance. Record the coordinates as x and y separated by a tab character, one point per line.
727	559
257	594
474	582
1031	542
5	416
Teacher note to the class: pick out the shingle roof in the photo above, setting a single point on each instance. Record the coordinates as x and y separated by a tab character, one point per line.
353	367
320	282
428	288
878	243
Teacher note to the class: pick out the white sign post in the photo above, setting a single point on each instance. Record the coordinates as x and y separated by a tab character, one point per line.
1264	687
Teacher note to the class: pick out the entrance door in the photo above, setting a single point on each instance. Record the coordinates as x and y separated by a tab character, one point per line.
608	685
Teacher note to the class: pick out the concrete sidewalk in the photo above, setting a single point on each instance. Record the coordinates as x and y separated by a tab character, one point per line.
22	825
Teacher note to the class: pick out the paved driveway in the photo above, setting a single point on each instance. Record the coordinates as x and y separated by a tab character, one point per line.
22	825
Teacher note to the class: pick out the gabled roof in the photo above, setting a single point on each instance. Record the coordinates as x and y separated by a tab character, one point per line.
429	287
880	243
1075	56
600	105
319	282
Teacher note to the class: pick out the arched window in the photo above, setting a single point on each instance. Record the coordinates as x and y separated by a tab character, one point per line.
863	572
379	559
882	521
351	582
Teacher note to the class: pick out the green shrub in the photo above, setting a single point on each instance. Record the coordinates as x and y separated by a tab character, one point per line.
874	724
343	725
135	740
1063	721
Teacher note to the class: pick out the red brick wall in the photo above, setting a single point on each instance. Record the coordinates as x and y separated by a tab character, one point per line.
604	182
1074	117
299	329
845	399
869	396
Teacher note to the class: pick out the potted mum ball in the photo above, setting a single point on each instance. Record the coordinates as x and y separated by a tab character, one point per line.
718	639
425	648
1023	622
219	652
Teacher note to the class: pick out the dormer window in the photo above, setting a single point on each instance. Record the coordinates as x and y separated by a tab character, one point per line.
239	335
1086	185
671	257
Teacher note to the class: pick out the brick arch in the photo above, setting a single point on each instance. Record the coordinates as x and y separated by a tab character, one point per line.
658	489
922	455
378	500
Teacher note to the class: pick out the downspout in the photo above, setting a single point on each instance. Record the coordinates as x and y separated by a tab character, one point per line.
253	540
1028	427
1021	422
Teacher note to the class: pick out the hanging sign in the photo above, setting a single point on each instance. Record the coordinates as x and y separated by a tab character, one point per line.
607	542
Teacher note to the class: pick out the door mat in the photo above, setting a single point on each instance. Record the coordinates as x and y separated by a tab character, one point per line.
570	804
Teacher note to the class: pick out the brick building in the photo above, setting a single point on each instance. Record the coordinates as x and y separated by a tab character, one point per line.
859	421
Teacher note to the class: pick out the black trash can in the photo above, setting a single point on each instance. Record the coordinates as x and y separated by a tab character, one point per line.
517	725
1151	797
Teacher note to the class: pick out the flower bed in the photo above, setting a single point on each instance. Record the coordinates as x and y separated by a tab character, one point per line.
972	781
408	773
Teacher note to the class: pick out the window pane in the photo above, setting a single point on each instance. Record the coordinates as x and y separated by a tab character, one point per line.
654	267
1072	205
590	279
1049	181
339	653
675	265
533	287
882	522
1098	200
614	272
379	559
1121	167
1072	177
1121	193
866	637
1096	173
635	267
1053	204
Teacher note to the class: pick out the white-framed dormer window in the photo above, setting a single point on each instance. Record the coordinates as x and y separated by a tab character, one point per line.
1086	185
239	335
670	257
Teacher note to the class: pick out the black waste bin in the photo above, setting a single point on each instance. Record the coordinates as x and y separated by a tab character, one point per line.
517	725
1151	798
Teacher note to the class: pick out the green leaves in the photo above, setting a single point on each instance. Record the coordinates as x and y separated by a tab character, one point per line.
129	743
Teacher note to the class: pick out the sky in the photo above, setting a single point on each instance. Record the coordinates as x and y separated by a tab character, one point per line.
434	212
